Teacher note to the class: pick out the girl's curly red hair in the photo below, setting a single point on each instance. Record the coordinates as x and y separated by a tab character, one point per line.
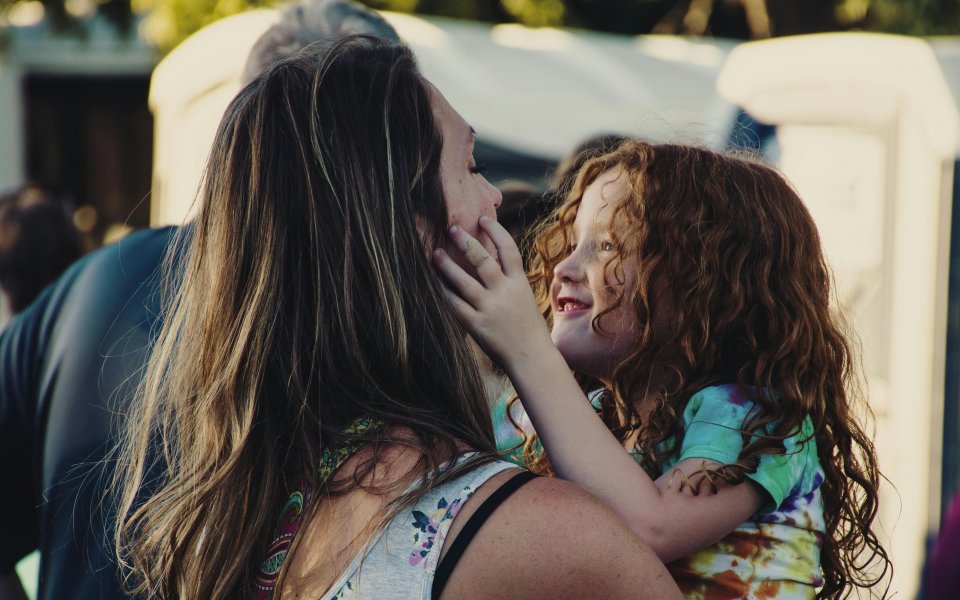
735	246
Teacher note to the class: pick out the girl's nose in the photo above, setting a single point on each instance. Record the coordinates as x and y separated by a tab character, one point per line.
568	269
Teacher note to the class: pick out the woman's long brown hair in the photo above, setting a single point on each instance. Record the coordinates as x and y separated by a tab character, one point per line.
304	299
740	257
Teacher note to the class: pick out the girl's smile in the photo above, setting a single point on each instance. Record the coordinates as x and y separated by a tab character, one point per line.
587	283
568	306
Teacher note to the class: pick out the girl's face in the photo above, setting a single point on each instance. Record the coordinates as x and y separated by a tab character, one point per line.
589	280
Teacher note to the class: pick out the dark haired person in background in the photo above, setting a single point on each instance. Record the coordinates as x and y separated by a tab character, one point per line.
38	241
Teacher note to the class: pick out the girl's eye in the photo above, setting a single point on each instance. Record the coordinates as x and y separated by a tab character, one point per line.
478	169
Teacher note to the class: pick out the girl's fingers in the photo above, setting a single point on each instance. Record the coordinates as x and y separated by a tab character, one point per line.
460	306
511	262
459	281
479	258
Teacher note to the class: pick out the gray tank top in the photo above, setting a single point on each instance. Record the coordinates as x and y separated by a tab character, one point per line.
401	561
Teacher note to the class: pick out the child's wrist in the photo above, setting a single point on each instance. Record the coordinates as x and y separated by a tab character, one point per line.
539	358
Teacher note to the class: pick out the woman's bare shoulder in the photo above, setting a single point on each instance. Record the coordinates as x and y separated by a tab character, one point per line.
552	539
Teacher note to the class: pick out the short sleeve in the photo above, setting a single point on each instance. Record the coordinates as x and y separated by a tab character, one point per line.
713	420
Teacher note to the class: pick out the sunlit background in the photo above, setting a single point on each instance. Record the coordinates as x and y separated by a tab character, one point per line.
110	105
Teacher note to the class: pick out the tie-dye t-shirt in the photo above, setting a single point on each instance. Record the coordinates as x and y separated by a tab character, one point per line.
509	440
776	553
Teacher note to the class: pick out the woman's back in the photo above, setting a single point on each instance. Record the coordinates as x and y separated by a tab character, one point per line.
545	539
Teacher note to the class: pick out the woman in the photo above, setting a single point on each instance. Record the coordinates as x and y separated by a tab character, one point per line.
310	368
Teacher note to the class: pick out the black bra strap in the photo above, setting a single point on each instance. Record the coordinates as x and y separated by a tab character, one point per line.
474	523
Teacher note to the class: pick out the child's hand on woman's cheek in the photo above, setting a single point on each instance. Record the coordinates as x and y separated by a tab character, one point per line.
498	307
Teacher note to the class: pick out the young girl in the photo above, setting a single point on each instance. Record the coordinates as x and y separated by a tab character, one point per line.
688	293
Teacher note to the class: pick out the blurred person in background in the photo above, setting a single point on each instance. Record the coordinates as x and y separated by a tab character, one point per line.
566	172
38	241
519	209
942	571
70	362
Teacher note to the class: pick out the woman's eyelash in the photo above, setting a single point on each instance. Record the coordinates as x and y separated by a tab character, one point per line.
478	169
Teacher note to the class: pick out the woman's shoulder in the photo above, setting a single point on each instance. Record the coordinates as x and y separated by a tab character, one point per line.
552	539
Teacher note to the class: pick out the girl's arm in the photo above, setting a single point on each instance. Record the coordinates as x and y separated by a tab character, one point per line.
500	311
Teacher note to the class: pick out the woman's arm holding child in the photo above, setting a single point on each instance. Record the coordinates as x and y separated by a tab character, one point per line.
500	311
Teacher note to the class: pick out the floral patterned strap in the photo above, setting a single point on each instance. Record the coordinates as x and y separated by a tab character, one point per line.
331	459
294	511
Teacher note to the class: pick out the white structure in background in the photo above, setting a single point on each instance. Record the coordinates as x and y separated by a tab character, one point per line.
868	133
539	92
189	91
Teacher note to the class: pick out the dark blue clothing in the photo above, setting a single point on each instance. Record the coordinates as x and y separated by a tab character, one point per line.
68	366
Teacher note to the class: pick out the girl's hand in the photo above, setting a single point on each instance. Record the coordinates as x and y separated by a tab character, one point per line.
497	307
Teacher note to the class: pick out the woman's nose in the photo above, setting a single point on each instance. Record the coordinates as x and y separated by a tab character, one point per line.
497	196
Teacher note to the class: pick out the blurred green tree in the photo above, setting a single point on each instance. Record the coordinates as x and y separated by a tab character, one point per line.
170	21
913	17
